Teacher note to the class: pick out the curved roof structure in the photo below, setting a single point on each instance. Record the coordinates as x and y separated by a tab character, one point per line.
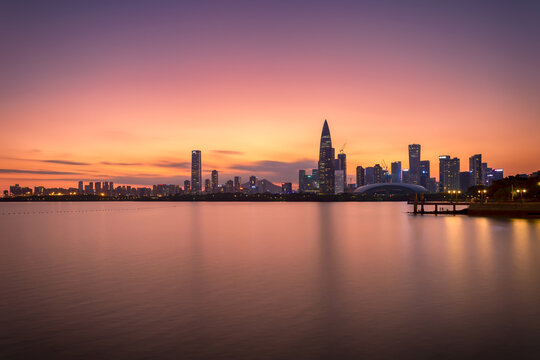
391	188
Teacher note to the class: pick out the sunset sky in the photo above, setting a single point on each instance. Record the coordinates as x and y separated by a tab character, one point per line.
123	92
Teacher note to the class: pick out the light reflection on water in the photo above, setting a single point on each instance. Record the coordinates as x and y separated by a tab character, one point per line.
264	280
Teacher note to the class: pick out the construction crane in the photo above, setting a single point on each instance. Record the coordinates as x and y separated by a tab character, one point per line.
342	148
384	166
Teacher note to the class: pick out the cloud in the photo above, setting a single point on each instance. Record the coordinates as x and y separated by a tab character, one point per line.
171	164
42	172
278	170
65	162
227	152
148	180
119	163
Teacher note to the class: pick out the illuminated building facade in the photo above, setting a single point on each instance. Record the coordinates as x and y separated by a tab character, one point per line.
326	162
414	164
196	171
448	173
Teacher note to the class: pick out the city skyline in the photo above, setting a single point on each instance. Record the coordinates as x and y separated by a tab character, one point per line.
124	93
329	178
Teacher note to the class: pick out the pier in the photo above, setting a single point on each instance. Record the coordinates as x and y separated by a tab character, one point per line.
421	206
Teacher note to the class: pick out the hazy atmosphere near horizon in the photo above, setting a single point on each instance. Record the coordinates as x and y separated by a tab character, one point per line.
124	90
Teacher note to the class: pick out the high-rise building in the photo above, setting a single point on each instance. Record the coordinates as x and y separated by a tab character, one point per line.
386	176
341	164
315	179
237	184
98	187
475	167
196	171
301	178
253	184
414	164
431	185
360	176
377	174
498	174
405	176
339	186
80	189
395	167
448	173
465	181
485	172
425	172
229	186
187	187
215	182
207	187
326	162
370	175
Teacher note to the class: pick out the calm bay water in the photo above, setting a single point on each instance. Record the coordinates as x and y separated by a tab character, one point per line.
119	280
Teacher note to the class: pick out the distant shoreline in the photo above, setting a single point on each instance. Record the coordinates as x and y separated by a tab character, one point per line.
348	197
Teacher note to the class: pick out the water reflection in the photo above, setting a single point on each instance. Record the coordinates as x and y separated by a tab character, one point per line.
265	281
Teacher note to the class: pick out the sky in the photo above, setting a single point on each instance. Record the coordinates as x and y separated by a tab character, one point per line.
123	91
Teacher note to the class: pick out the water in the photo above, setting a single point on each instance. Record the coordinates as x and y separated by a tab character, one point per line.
118	280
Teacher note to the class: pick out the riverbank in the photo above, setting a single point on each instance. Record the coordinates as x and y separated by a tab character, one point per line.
505	209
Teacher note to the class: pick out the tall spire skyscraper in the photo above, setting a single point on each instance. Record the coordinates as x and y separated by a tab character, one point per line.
326	162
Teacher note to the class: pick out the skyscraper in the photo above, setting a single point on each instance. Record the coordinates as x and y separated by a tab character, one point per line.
315	179
377	174
485	172
187	187
253	185
396	171
80	188
464	181
207	187
360	181
369	176
237	183
448	173
196	171
301	178
215	182
341	164
405	176
339	176
229	186
475	167
326	162
414	164
424	172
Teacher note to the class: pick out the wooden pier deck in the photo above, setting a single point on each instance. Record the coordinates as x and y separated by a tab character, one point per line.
439	207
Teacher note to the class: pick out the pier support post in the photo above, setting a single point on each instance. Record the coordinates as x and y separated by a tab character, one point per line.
415	204
436	209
